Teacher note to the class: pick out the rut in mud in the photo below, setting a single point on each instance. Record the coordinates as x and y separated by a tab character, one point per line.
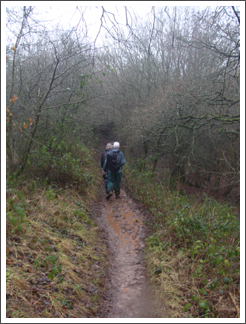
128	295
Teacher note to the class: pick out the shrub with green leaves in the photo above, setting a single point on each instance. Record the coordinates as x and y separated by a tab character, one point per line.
63	163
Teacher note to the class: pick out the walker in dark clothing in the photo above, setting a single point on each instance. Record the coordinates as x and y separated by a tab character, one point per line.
103	157
113	163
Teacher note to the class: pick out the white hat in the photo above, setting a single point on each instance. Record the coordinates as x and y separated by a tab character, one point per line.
116	145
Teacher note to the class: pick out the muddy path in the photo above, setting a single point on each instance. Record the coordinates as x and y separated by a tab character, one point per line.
127	294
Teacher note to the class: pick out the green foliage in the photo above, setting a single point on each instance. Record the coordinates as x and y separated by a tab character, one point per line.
187	306
57	161
16	214
50	262
50	194
207	233
211	217
67	304
54	270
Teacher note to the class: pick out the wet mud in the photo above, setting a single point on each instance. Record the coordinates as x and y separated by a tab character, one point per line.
128	294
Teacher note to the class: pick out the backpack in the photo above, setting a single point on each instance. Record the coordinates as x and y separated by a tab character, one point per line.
113	161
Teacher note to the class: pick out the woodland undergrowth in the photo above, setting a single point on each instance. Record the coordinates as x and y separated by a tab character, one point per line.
55	256
193	253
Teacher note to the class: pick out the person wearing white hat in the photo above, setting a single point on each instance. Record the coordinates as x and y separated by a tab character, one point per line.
114	162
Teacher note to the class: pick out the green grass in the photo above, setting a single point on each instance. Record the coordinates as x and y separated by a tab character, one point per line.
54	249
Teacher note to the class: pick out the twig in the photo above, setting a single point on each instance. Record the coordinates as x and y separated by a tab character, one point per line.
38	197
15	251
66	207
235	305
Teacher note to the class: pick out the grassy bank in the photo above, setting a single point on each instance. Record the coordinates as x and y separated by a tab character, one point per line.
56	258
193	254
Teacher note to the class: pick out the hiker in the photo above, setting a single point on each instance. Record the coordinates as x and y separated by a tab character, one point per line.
105	172
114	162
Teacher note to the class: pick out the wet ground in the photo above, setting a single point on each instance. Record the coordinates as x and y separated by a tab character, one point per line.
127	293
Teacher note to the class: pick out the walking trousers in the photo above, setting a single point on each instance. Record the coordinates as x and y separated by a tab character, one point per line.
114	179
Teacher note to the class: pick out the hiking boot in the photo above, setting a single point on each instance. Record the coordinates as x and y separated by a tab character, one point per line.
117	196
109	194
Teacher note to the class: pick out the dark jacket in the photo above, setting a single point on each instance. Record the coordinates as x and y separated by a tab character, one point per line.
120	159
103	157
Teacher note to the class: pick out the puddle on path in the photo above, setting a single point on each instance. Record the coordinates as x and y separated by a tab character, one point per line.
128	295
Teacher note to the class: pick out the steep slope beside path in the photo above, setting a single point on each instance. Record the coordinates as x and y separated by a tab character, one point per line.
128	294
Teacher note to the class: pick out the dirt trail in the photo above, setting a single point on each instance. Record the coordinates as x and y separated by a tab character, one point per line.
128	295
